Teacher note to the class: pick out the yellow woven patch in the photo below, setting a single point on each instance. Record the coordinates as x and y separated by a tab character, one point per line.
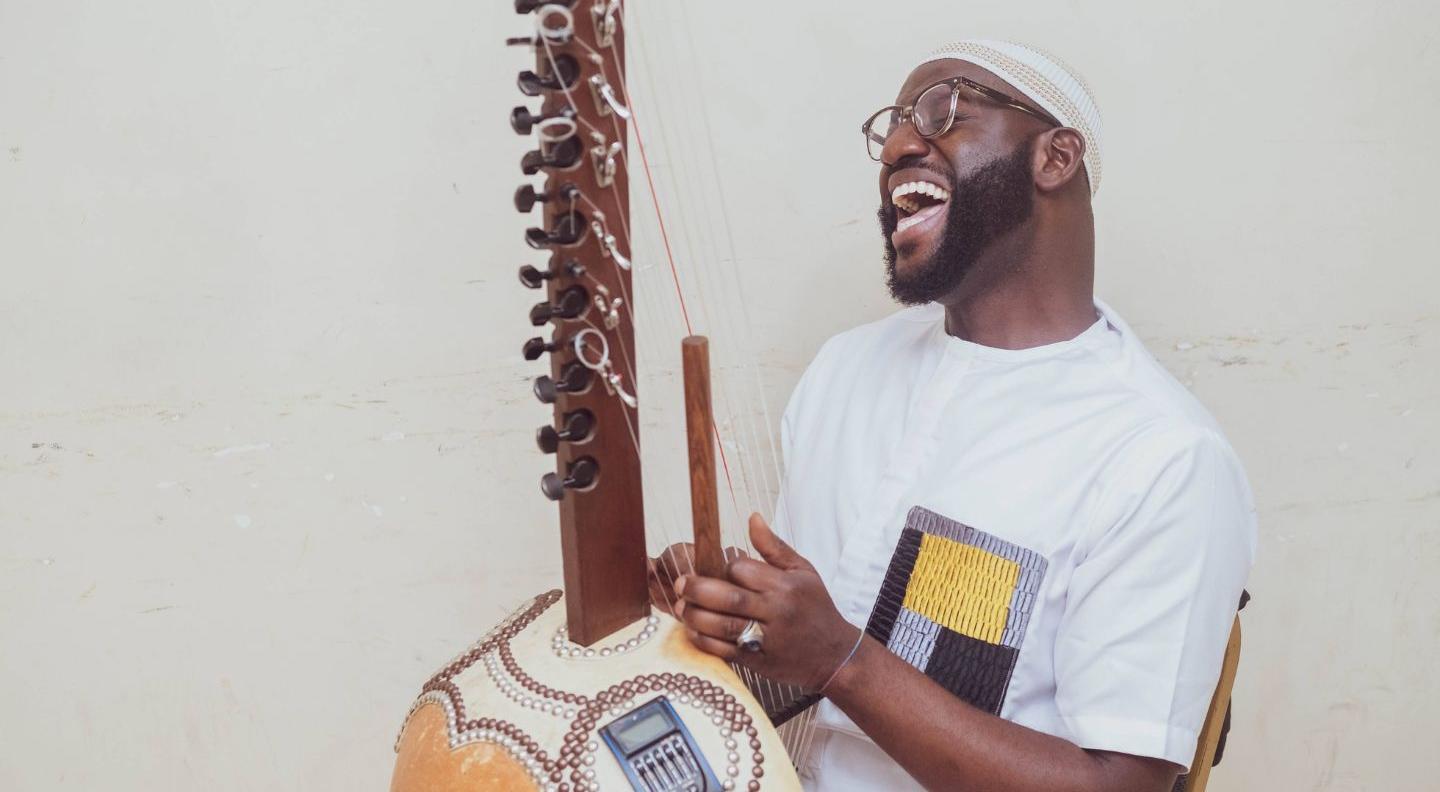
962	588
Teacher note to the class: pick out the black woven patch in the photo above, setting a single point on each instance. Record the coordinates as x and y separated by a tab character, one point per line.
976	671
892	591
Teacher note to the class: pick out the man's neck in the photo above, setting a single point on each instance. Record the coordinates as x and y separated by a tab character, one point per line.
1042	300
1019	320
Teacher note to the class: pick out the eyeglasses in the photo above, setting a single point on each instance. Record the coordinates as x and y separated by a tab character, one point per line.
934	112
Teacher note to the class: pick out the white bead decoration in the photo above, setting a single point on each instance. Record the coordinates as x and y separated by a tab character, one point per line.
563	649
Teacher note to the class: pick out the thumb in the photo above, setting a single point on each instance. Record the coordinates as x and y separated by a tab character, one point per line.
771	547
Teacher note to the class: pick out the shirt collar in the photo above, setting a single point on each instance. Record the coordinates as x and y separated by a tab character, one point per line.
1091	337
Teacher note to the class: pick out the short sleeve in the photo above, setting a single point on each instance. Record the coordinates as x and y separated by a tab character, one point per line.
1150	604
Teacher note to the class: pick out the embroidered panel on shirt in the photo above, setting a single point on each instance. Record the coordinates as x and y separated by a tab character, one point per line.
955	603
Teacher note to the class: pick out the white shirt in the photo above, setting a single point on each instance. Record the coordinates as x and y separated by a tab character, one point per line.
1110	531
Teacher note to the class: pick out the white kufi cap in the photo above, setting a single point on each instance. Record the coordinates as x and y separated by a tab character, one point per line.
1048	82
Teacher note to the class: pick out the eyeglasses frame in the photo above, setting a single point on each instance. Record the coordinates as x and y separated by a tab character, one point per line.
907	112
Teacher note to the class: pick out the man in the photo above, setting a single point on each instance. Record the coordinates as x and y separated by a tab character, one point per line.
1019	543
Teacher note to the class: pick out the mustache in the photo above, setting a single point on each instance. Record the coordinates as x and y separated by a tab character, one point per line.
926	165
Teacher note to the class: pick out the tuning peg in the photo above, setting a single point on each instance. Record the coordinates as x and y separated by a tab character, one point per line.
534	278
578	426
523	121
529	6
526	196
560	78
574	378
571	304
579	475
568	230
562	155
538	346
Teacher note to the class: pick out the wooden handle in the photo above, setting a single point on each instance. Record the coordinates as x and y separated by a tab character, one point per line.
699	427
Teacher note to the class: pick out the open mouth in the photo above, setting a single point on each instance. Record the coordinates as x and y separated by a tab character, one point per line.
916	202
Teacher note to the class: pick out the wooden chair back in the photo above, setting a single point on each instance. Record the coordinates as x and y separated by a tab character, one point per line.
1199	774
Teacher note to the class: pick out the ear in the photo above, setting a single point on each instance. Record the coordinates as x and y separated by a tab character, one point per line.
1059	158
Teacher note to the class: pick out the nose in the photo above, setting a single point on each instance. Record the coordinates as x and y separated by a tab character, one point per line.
904	142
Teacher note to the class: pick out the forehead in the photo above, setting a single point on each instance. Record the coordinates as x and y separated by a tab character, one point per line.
927	74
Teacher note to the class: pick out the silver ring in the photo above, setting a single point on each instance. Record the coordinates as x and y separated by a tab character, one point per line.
752	638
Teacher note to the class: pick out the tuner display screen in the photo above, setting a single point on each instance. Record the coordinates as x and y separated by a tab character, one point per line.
640	733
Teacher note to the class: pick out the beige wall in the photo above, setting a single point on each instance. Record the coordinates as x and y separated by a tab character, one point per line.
265	455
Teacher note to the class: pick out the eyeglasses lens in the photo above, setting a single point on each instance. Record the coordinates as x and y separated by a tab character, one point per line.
932	110
882	126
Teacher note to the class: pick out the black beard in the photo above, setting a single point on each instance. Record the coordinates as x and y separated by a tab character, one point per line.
986	205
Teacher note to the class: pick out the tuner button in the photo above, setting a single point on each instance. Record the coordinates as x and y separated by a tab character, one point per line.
545	389
580	474
548	439
522	120
565	69
552	486
533	278
574	378
538	346
568	231
571	304
563	154
541	313
530	83
525	198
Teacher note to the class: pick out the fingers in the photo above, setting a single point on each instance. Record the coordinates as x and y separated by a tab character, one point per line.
725	650
721	596
754	575
720	626
771	547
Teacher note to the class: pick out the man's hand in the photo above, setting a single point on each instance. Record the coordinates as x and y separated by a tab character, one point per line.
676	560
806	638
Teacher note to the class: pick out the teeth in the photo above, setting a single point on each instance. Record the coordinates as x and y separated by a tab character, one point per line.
900	195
